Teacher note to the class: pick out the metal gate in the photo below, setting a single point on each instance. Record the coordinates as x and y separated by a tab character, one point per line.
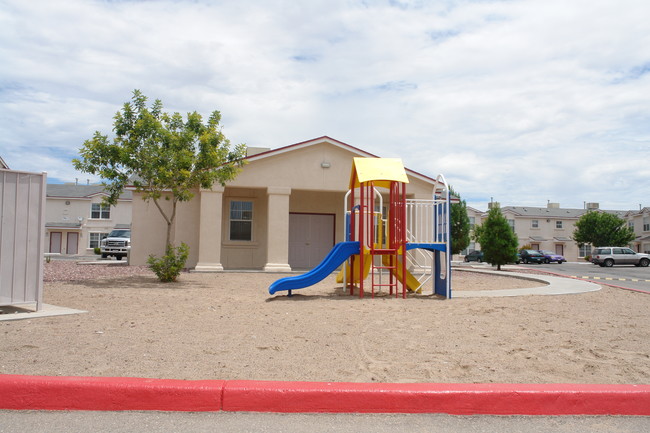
22	215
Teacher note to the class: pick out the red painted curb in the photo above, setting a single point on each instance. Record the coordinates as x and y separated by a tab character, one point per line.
108	393
115	393
453	398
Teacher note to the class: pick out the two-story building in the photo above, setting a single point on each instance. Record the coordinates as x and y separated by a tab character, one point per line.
551	228
76	219
639	221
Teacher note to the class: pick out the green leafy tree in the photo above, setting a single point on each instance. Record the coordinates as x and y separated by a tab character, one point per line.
498	240
602	229
162	155
459	225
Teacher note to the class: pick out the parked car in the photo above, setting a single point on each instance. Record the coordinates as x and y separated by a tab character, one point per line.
474	256
531	256
610	256
552	257
117	244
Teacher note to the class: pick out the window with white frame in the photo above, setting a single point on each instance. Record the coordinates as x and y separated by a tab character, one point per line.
558	224
511	223
630	224
472	222
241	220
94	238
584	250
534	224
646	224
100	211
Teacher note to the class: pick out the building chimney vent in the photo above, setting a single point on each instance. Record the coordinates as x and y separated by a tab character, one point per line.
553	205
592	206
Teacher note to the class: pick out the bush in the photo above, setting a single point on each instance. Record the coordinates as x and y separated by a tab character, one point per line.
97	250
588	258
168	267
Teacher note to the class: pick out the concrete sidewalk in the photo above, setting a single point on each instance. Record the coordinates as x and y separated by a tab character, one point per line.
549	285
10	312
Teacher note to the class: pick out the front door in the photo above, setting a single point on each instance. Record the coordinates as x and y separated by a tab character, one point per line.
559	249
311	237
72	246
55	242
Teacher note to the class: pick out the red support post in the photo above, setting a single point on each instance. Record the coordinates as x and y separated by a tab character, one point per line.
361	237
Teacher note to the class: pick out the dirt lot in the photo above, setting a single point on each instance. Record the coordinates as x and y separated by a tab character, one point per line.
227	326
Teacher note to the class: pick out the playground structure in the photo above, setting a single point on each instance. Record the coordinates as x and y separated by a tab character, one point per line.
387	244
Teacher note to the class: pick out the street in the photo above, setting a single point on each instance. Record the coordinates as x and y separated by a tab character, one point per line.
627	276
224	422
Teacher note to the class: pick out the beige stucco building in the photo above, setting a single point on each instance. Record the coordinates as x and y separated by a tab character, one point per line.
284	211
639	221
76	219
551	228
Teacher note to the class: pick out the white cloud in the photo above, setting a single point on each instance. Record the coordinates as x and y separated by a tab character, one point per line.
520	100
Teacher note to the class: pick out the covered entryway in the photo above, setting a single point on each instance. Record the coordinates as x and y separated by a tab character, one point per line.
311	237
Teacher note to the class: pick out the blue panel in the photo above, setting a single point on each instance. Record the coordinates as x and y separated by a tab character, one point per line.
430	247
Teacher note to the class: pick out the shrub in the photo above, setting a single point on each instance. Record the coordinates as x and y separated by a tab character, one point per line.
168	267
588	258
97	250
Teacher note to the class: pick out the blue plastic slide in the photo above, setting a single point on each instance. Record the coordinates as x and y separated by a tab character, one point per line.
333	260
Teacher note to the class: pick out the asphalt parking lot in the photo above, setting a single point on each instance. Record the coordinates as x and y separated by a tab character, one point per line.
627	276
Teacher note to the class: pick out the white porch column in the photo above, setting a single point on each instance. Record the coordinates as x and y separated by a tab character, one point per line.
277	250
210	230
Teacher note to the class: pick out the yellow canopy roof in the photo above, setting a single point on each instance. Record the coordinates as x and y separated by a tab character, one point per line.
382	171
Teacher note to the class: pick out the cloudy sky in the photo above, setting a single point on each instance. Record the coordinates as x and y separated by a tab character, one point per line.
520	101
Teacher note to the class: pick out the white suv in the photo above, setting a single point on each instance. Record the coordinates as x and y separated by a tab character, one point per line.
610	256
118	244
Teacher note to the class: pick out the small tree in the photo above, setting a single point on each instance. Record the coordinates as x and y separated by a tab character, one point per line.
602	229
498	240
162	155
459	225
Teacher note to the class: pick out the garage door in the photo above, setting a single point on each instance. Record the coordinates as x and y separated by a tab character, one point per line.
311	237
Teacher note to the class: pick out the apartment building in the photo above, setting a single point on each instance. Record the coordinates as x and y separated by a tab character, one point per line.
639	221
76	219
551	228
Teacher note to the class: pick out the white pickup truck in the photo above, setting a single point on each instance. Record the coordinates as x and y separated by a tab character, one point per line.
117	244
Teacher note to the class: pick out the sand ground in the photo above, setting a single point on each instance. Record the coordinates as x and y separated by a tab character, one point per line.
227	326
